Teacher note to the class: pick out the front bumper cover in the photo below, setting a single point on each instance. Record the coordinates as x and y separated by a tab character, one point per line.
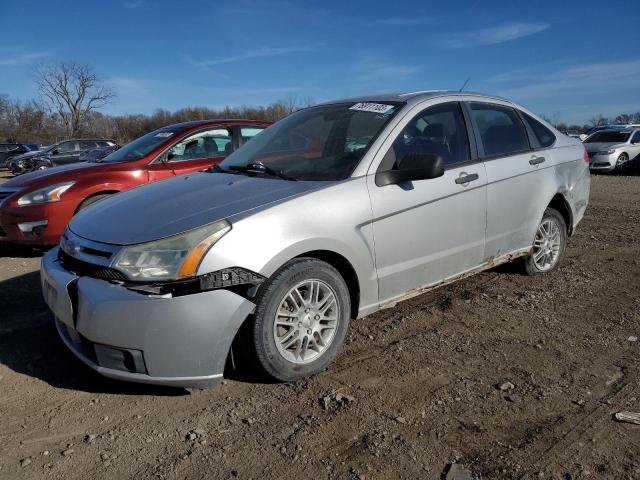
184	341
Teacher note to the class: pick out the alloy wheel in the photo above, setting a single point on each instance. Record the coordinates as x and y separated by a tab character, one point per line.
547	244
306	320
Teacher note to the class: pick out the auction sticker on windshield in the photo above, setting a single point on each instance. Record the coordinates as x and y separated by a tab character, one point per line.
164	134
372	107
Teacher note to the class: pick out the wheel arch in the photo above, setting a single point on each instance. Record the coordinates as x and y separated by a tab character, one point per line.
559	203
94	194
345	269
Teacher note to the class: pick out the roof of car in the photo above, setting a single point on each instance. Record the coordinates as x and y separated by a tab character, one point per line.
199	123
414	96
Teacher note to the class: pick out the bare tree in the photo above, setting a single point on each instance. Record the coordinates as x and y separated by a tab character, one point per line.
72	91
597	120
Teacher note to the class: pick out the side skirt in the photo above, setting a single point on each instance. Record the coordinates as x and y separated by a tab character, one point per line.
490	263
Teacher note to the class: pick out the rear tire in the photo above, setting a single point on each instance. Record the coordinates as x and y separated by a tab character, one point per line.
91	200
301	319
549	244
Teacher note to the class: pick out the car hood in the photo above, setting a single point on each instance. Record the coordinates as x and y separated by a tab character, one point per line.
48	176
595	147
173	206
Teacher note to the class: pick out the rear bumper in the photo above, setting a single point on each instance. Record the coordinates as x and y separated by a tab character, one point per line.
174	341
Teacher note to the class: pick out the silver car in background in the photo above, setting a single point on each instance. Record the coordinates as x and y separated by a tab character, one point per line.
331	214
611	150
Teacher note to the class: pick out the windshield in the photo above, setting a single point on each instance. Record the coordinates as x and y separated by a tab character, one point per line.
606	136
142	146
318	143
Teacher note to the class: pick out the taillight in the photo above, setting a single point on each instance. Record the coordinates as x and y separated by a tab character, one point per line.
585	156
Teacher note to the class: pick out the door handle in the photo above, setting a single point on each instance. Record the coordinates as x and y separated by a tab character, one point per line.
465	178
536	160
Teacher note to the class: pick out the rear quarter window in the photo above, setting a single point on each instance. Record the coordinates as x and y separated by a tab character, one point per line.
544	136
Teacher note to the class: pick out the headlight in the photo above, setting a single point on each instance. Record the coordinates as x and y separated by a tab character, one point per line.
607	152
52	193
170	258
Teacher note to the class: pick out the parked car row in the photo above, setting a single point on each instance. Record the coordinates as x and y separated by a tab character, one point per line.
11	150
61	153
593	130
283	239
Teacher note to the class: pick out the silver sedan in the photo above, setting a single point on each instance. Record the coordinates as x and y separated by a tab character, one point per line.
611	150
331	214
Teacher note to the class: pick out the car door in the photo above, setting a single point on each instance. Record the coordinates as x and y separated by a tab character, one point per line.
634	147
194	152
429	230
64	153
519	182
86	145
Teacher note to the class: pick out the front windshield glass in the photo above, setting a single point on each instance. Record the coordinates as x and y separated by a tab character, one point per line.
318	143
141	146
608	137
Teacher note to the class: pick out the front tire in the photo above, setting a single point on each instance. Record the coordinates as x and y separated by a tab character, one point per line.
91	200
549	244
622	163
301	319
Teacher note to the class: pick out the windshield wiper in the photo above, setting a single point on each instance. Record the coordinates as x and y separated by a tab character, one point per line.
260	167
218	168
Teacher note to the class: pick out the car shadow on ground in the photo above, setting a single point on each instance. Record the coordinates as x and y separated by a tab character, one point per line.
29	345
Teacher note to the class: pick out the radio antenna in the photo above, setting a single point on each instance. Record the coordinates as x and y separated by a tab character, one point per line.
464	84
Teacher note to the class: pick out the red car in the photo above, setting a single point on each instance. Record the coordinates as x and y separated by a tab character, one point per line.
35	208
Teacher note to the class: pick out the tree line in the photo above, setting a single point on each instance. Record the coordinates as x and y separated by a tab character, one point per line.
31	122
72	94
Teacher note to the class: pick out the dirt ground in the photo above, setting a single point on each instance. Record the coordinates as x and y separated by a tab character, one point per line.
414	390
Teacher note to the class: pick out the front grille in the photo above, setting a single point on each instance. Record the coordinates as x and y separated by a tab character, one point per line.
86	269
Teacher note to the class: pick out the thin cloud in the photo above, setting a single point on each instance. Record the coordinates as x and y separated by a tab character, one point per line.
128	83
262	52
577	78
133	4
494	35
377	70
22	58
400	21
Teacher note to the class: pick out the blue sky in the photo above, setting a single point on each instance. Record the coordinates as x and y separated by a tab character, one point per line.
564	59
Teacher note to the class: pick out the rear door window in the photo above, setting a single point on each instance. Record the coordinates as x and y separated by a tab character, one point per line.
501	130
543	135
87	145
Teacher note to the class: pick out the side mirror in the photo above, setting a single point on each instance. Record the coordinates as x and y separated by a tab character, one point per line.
413	167
55	151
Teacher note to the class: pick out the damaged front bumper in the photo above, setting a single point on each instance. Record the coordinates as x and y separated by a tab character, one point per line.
139	336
